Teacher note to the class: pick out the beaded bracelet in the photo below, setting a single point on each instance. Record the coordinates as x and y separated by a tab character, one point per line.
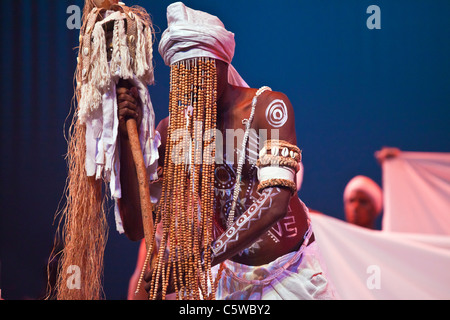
270	161
279	153
291	185
281	148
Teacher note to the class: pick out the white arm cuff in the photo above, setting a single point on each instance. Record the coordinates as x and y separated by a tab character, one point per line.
268	173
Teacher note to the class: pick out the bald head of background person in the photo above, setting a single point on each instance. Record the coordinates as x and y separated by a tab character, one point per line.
363	202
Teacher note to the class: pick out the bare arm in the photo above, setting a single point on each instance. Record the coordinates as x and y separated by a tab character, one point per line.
273	204
262	214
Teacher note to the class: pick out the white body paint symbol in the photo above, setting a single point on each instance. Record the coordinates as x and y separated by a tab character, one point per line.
277	113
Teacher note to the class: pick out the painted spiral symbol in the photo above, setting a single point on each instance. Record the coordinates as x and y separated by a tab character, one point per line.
277	114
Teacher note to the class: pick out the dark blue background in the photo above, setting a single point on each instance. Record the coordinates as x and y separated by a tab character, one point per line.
354	90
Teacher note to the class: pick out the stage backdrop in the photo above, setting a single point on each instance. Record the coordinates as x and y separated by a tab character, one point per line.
360	77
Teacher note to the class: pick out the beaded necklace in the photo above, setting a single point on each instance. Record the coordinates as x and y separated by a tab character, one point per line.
248	124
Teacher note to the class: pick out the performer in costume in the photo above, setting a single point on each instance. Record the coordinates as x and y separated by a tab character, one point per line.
115	57
230	221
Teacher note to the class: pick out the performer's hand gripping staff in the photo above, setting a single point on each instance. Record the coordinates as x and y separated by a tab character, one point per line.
115	48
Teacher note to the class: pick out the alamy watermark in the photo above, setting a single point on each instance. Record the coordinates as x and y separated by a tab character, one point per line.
75	14
373	282
74	280
74	20
374	20
209	147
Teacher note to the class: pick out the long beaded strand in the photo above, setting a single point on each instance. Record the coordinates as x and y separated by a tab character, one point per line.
212	126
168	180
211	182
162	206
196	172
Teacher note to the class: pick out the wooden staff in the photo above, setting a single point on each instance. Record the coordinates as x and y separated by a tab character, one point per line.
133	136
144	186
144	195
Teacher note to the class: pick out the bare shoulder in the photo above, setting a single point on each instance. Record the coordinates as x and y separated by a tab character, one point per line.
274	111
273	95
162	128
163	125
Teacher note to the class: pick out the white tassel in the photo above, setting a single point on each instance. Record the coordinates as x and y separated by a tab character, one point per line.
140	63
115	57
149	77
126	71
100	75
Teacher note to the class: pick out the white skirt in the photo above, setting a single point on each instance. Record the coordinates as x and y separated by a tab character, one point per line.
295	276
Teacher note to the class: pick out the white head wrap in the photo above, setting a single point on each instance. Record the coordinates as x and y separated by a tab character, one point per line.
192	34
368	186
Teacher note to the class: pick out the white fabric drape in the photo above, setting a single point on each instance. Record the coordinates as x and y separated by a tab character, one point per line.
365	264
102	153
417	193
410	257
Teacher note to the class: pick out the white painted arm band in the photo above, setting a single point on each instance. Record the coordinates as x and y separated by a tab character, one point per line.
268	173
